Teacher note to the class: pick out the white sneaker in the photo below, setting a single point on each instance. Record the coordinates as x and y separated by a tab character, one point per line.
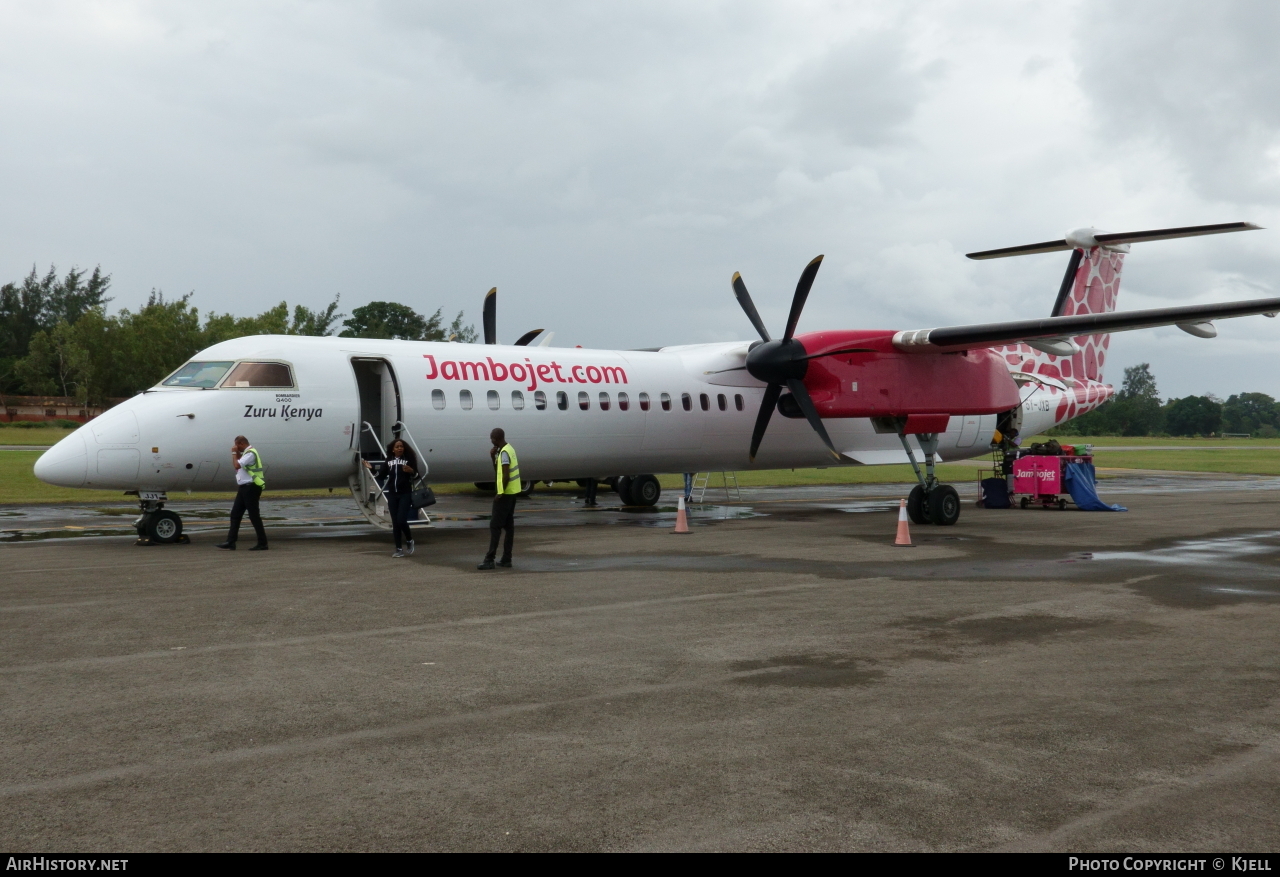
409	553
399	552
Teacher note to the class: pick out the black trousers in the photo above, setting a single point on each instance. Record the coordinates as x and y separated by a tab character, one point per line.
247	496
592	484
503	518
401	513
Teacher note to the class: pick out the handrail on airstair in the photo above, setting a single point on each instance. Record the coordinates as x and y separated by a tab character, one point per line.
364	474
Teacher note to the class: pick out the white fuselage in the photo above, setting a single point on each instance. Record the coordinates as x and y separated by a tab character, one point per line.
309	435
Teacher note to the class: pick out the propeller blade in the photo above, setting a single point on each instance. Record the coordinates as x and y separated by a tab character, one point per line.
744	299
527	337
802	293
491	316
797	388
771	394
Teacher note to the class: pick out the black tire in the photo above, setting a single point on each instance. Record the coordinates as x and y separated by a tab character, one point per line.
1025	501
581	482
916	506
164	526
645	490
526	487
944	505
1062	505
486	486
623	486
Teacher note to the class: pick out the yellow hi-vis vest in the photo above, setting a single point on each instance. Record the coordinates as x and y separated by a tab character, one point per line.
256	469
513	486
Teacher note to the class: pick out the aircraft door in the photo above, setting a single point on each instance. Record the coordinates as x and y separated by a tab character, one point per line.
380	406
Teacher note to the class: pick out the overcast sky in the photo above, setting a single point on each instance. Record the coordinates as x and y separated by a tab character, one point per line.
609	167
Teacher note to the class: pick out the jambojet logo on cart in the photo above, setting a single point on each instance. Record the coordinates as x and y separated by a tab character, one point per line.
524	372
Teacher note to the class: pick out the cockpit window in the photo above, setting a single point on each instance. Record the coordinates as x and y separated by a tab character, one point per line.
259	374
198	374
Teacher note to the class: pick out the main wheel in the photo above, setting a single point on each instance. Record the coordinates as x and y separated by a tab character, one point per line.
944	505
526	487
164	526
916	510
487	486
623	486
645	490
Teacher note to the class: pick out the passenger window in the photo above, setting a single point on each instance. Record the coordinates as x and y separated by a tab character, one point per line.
644	401
665	399
517	400
623	402
494	401
437	399
540	400
704	401
604	401
562	400
259	374
722	402
737	401
584	401
465	400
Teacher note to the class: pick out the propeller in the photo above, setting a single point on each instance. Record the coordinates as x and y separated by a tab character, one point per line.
783	363
490	320
490	316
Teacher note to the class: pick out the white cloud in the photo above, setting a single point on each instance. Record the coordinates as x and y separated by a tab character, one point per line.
610	167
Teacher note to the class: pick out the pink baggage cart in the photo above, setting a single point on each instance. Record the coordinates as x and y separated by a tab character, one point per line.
1038	479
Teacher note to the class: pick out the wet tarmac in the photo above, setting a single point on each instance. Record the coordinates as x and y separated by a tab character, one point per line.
783	677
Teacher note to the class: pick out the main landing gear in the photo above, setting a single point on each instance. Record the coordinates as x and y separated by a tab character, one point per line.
157	525
638	489
930	502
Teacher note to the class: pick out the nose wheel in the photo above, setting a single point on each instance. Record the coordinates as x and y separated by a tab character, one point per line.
158	525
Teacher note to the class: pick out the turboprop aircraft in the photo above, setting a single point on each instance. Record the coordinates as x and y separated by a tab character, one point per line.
315	407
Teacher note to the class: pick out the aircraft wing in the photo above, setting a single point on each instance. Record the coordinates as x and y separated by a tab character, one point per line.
1053	333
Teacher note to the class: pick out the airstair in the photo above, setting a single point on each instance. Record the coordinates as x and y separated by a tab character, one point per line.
702	480
368	493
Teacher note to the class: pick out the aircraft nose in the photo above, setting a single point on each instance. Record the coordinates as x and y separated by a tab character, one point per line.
65	464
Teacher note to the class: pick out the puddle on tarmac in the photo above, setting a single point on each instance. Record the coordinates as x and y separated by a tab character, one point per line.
865	506
1200	552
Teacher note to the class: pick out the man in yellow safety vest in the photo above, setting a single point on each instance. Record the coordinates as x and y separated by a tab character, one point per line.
507	482
247	463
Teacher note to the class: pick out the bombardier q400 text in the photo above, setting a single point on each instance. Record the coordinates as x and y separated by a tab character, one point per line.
317	406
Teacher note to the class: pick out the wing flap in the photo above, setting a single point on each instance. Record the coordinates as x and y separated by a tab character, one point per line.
883	457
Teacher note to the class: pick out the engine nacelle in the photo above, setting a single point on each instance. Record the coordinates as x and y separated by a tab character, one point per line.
879	381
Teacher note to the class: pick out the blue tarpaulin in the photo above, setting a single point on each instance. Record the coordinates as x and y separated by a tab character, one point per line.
1080	484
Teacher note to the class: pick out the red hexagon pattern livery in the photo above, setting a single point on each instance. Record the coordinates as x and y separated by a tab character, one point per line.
1095	290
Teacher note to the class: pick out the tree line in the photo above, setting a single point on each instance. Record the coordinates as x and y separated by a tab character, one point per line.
57	339
1137	410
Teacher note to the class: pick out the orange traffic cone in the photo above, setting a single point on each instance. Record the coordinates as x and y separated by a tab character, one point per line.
682	519
904	533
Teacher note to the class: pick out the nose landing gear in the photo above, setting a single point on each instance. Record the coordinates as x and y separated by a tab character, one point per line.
157	525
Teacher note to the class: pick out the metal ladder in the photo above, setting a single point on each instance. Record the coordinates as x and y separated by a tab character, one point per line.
702	480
